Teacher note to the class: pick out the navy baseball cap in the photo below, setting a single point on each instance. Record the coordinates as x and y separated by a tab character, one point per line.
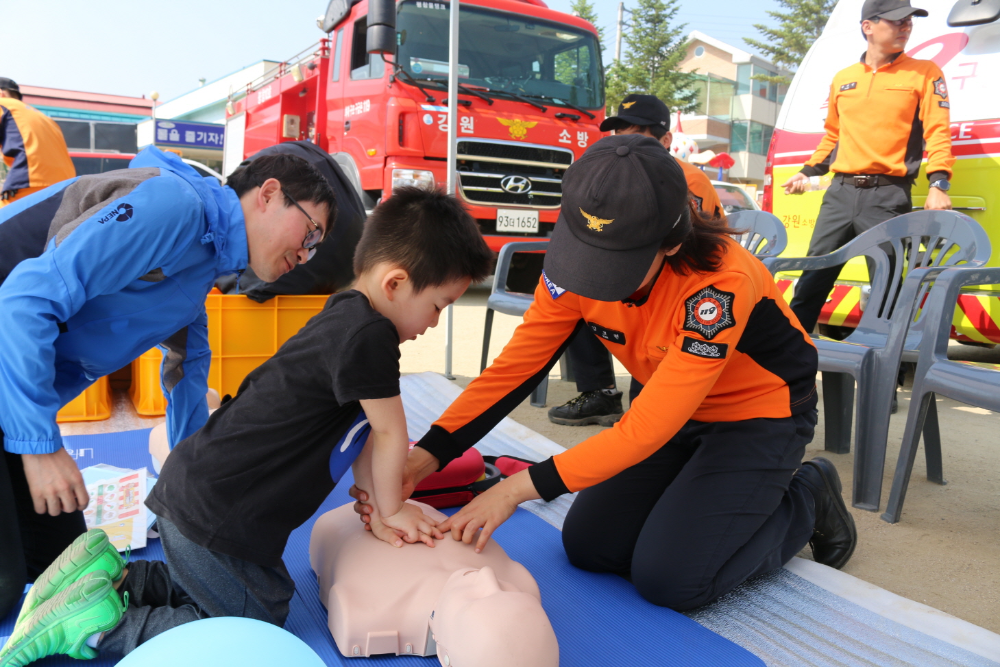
638	110
9	84
890	10
622	201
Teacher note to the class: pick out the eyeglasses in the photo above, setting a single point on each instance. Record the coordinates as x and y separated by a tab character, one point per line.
314	236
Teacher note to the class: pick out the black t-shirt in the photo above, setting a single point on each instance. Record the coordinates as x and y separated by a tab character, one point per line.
261	465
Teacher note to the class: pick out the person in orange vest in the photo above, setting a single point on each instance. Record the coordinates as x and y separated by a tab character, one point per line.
33	147
701	484
883	111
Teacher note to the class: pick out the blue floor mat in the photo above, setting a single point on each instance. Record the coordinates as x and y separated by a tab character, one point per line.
598	619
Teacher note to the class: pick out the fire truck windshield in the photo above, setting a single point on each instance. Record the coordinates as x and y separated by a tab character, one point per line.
502	52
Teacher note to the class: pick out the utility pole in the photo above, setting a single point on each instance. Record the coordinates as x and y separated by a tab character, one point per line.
618	36
449	312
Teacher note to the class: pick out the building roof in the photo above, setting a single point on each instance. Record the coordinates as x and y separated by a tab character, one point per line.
739	55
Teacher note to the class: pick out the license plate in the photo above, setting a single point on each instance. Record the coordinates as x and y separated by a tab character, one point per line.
521	222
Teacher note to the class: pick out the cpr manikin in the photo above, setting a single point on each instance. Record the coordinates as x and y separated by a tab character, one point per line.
469	609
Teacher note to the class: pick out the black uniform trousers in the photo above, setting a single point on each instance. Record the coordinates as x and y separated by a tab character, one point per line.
846	212
716	505
29	541
592	364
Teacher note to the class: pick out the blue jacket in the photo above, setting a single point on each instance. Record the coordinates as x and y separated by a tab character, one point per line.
98	269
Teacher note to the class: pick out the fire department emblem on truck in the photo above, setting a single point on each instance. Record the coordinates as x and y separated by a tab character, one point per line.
709	311
518	128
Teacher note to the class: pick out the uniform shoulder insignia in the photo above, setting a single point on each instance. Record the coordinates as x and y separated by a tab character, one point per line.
709	311
941	88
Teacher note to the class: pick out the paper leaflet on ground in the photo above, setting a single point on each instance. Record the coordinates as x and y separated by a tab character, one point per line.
117	504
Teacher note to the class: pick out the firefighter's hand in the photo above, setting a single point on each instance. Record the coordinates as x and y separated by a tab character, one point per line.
797	184
937	200
55	483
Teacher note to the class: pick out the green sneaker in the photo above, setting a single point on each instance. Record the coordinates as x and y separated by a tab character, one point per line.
63	624
90	552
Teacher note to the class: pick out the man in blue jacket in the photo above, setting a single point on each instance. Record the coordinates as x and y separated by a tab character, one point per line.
96	270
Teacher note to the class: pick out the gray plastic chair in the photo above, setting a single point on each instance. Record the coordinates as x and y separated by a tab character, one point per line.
927	240
765	234
971	383
511	303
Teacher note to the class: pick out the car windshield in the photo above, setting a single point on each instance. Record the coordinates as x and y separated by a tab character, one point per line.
734	198
502	52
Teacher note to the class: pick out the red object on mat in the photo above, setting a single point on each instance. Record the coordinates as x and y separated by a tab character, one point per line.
451	486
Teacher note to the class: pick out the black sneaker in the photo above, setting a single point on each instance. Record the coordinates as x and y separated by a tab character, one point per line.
834	535
590	407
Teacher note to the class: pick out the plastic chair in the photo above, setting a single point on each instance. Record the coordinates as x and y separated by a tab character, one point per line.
765	234
511	303
923	244
971	383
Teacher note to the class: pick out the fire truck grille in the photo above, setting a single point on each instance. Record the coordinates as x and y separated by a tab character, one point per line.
511	174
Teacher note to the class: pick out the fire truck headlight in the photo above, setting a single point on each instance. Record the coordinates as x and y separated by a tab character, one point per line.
418	178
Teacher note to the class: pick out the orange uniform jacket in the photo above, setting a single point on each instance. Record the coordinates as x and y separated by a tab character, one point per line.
878	121
701	188
33	147
713	347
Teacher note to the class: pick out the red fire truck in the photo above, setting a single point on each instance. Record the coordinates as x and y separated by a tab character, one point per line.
531	99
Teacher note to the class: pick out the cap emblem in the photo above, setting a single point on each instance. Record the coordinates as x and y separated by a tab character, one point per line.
518	128
595	223
628	105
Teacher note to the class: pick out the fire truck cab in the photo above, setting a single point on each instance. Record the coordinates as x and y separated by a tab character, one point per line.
530	102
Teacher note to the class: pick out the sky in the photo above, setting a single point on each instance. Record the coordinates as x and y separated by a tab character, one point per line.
133	47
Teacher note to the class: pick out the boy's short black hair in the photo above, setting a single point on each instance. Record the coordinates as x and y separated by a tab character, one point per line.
427	233
299	181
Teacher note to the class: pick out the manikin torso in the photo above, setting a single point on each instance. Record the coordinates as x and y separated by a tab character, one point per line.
469	609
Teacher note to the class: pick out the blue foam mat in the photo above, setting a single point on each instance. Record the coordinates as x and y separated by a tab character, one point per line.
598	619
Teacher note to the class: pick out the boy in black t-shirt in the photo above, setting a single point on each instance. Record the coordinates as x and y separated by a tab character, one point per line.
229	496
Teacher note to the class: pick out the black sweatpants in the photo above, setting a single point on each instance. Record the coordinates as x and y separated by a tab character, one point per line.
194	583
846	212
29	541
716	505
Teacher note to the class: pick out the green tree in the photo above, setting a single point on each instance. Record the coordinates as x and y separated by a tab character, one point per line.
654	49
586	11
798	28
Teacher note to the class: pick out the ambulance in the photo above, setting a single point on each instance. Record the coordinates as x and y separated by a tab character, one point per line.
963	38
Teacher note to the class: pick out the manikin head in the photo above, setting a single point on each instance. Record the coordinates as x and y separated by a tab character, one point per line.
480	621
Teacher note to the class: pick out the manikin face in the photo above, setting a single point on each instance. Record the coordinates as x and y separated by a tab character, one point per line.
482	621
276	229
887	36
415	312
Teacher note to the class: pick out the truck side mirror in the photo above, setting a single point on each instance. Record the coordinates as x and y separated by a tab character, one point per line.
974	12
335	13
381	26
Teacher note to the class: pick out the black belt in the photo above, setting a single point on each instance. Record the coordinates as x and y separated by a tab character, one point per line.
871	180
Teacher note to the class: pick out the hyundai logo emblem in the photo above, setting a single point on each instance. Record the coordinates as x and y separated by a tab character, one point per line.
516	185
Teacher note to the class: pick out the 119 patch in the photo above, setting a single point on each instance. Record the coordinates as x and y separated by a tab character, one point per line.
941	88
709	311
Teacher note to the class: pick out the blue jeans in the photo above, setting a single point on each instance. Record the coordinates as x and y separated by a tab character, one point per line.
194	583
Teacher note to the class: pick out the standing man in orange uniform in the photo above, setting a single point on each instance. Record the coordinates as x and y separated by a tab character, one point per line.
33	147
883	112
600	401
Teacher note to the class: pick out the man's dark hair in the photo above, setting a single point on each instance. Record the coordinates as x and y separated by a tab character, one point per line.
428	234
657	130
702	241
299	181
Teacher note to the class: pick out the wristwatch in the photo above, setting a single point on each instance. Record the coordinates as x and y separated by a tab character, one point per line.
941	184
